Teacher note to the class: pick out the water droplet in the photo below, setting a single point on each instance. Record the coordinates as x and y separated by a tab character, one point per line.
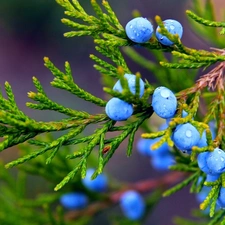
222	159
188	133
161	38
135	31
172	27
131	26
219	152
165	93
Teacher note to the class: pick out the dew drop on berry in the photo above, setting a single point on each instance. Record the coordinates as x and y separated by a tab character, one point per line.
222	159
165	93
172	27
131	26
188	133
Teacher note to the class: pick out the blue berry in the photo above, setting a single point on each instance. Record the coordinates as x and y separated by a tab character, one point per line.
221	198
203	141
174	27
144	147
162	162
212	178
185	137
74	200
131	79
163	126
118	110
183	114
132	205
139	30
202	162
212	126
164	102
216	161
99	184
203	194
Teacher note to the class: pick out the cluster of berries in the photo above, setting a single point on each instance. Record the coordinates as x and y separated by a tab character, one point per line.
131	202
161	158
79	200
119	110
140	30
185	136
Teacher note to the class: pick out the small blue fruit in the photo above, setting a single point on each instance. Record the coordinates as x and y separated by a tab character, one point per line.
131	79
132	205
118	110
74	200
203	194
174	27
162	162
99	184
221	198
139	30
216	161
144	147
185	137
183	114
212	126
163	126
164	102
212	178
202	162
203	141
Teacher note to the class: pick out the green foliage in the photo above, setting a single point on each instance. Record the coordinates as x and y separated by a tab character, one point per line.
55	161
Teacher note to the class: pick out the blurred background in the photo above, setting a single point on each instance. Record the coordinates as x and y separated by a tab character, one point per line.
31	29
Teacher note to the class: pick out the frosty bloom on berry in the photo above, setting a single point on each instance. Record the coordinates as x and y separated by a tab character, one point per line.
216	161
131	79
212	163
173	27
139	30
118	110
164	102
202	162
185	137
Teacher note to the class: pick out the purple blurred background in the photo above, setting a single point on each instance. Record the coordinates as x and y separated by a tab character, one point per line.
30	30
